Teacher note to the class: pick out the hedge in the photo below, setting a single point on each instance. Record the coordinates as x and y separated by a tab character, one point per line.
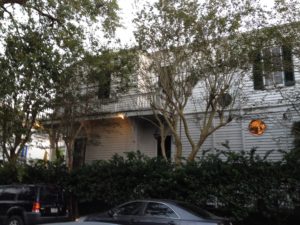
248	188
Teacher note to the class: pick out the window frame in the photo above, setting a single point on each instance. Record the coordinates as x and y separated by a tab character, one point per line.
261	70
140	208
160	217
269	79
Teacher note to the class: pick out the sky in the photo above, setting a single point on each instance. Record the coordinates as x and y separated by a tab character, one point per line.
128	9
127	13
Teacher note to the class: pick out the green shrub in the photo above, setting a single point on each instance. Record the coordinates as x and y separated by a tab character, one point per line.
243	186
239	185
37	172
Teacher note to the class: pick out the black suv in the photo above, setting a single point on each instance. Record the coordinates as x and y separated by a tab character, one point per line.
31	204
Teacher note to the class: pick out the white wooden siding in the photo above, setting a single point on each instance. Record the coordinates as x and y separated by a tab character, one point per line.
236	134
268	105
248	97
111	136
271	97
194	129
230	135
118	136
146	143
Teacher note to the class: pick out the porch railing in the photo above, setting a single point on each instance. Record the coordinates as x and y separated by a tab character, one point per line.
130	103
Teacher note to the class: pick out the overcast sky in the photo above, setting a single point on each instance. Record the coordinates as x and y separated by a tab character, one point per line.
128	10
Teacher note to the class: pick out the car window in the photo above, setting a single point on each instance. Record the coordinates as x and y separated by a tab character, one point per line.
196	211
159	210
8	193
1	191
27	194
50	194
129	209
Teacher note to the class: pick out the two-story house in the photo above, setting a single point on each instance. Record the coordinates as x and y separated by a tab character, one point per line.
264	115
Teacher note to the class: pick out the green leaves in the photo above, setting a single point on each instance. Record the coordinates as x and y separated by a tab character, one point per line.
62	21
243	186
118	66
28	69
40	41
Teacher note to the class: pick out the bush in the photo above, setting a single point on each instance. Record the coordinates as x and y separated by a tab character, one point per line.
238	185
34	173
243	186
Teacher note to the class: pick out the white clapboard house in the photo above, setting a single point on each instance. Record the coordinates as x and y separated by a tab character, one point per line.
264	120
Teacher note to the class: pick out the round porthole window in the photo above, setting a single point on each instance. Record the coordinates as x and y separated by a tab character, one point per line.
257	127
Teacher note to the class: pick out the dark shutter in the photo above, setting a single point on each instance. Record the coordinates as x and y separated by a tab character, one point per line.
289	78
257	71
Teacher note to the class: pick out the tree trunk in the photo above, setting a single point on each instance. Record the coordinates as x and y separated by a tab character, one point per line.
13	157
162	142
178	154
70	146
195	148
52	140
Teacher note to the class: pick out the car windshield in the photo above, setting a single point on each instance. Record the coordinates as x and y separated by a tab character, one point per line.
196	211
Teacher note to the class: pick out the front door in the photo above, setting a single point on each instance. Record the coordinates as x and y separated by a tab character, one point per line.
167	147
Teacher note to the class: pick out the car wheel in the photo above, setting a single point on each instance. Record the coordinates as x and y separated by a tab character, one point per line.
15	220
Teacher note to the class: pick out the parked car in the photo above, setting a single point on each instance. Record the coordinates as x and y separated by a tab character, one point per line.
83	223
158	212
31	204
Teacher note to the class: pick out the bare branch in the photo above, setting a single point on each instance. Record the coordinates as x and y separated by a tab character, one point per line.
20	2
52	18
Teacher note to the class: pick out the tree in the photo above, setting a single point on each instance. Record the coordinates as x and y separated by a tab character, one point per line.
65	21
89	83
26	75
205	46
39	40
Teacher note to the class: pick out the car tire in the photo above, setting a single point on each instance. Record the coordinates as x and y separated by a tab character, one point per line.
15	220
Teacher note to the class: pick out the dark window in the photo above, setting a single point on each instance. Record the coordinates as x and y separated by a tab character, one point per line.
196	211
289	78
129	209
50	194
104	86
167	147
273	67
27	194
8	194
79	152
159	210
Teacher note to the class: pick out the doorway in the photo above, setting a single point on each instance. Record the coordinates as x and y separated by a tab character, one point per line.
167	147
79	152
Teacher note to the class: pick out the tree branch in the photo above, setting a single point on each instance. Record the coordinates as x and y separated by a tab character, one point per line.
12	18
52	18
20	2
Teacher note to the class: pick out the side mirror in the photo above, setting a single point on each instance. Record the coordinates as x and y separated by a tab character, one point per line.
112	213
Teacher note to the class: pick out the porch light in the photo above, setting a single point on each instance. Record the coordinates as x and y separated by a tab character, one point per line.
37	125
121	116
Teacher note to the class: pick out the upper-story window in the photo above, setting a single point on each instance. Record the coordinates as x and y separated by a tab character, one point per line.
273	67
104	86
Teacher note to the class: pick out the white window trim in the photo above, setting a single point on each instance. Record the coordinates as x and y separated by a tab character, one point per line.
272	74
